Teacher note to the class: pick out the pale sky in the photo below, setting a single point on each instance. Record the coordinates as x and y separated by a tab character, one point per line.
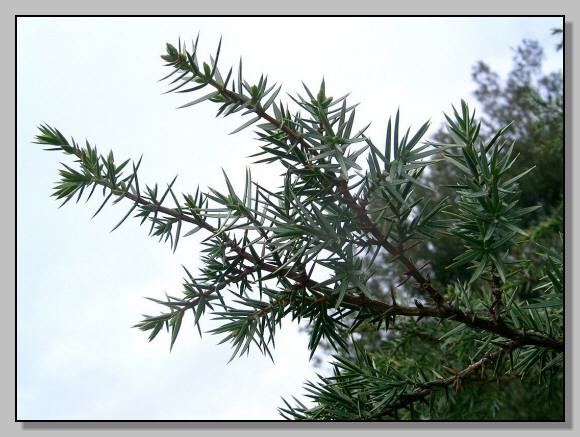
80	287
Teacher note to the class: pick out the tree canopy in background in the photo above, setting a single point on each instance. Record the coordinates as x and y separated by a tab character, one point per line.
471	333
532	104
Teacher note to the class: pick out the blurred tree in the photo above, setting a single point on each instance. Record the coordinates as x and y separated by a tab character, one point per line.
532	104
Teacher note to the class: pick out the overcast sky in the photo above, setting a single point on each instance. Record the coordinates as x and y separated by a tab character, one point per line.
81	287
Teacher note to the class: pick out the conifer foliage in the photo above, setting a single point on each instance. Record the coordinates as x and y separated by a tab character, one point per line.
305	249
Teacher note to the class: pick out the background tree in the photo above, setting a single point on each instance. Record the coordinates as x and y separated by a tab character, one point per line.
534	102
297	250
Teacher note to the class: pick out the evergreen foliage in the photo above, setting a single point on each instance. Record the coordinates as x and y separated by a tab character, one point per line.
308	250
